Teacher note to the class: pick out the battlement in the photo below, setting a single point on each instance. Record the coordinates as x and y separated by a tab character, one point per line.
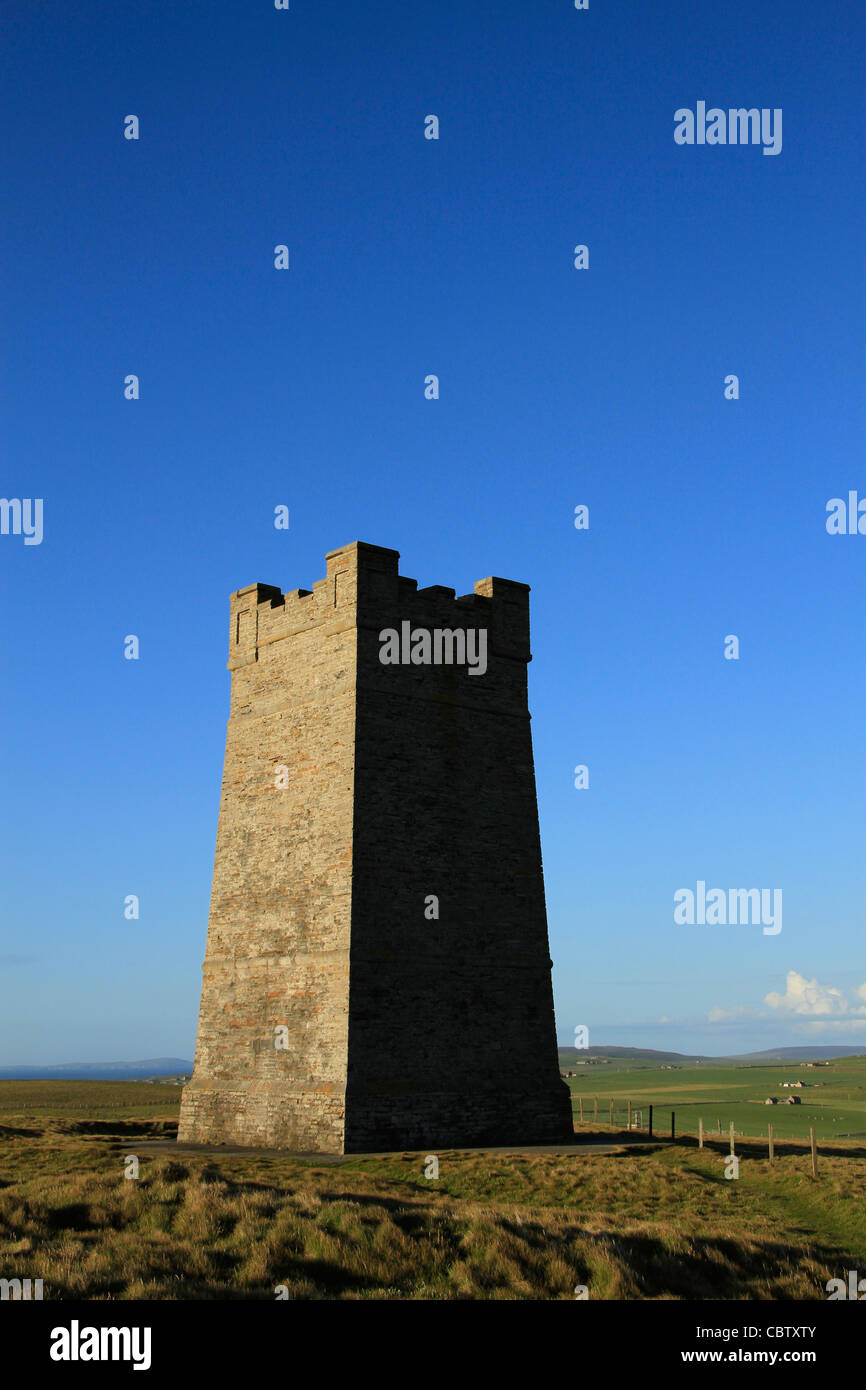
363	588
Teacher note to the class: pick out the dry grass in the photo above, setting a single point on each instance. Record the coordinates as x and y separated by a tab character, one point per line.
660	1224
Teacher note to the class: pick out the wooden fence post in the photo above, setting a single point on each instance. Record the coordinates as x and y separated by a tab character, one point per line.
700	1134
814	1153
650	1122
770	1128
595	1108
732	1137
580	1103
611	1110
629	1116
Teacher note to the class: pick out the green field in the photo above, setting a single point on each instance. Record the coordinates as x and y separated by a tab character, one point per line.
718	1094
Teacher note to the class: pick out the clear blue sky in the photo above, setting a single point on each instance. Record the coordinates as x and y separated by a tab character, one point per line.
558	387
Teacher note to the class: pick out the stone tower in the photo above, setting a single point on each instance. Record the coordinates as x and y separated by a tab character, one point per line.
377	973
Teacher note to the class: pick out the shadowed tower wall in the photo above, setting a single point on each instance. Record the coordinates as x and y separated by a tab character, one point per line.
404	782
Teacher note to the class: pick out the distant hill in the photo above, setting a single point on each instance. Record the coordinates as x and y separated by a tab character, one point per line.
636	1054
100	1071
651	1057
803	1054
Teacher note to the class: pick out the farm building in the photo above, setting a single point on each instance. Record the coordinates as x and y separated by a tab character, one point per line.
771	1100
792	1100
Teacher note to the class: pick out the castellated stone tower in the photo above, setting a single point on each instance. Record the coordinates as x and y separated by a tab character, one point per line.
339	1013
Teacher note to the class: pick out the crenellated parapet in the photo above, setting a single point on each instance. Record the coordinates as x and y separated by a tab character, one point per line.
363	587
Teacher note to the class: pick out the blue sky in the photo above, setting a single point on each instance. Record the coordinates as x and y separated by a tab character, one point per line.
558	387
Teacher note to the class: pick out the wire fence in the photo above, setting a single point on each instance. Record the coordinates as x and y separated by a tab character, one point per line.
660	1122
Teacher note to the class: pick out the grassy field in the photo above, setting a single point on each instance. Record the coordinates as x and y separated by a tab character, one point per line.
720	1094
101	1100
656	1223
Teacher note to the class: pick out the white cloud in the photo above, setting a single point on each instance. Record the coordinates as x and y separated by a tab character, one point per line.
837	1025
724	1015
862	992
804	996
